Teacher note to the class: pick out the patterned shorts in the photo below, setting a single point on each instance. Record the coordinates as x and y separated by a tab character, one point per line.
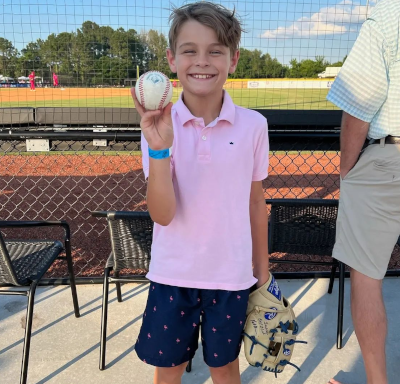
175	316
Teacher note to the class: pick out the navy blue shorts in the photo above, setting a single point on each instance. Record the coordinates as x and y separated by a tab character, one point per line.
171	325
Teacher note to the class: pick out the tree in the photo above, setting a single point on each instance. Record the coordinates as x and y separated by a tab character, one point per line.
155	54
273	69
320	65
256	68
244	65
62	64
49	54
80	62
30	58
294	71
307	68
8	58
96	54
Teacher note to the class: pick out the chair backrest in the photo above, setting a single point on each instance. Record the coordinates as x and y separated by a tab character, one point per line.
302	226
7	273
131	238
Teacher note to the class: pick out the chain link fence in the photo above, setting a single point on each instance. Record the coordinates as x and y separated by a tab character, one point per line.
77	176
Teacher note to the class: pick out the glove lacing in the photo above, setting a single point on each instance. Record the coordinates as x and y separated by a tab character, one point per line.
284	329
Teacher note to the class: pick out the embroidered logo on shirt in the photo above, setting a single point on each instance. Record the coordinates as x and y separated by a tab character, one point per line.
231	143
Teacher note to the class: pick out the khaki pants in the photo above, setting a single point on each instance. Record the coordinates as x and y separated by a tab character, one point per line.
368	223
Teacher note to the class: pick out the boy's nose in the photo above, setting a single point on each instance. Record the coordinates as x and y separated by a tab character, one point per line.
202	64
202	61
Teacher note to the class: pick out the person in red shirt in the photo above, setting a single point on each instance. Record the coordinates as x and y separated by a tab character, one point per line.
55	80
32	80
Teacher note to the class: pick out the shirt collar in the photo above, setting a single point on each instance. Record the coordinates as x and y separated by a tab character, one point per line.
227	111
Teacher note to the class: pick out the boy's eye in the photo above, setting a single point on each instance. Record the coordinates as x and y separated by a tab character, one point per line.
188	51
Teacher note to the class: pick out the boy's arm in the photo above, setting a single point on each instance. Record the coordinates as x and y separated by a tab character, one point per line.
161	200
158	134
259	233
160	191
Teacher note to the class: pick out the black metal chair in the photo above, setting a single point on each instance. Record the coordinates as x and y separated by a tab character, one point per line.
24	262
307	227
131	236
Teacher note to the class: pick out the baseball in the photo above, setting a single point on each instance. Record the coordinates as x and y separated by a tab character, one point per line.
153	90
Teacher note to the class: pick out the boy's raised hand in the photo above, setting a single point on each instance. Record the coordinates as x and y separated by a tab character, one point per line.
156	125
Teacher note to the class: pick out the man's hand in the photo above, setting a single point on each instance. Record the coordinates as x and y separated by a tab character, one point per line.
352	137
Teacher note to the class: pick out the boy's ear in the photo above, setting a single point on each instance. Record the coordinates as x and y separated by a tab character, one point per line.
234	61
171	60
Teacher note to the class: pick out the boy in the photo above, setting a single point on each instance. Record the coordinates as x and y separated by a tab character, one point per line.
205	160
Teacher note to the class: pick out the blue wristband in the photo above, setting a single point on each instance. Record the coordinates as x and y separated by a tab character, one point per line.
160	154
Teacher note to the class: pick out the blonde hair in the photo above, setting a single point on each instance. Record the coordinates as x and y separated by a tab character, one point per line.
223	21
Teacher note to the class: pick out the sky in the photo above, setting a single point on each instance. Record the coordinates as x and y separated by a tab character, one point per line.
285	29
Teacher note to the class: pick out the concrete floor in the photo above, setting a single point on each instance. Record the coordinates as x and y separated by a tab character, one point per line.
66	350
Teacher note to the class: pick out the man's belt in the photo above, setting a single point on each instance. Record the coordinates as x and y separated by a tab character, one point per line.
388	140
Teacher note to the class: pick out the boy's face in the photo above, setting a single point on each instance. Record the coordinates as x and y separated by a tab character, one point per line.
200	61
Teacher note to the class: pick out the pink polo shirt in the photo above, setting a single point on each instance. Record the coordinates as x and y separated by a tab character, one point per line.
208	243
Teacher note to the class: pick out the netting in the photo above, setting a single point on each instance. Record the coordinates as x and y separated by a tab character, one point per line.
85	57
290	54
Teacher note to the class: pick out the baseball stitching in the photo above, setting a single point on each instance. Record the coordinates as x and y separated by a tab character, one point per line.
141	92
165	94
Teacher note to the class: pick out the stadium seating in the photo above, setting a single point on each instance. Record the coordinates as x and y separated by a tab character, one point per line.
23	263
307	227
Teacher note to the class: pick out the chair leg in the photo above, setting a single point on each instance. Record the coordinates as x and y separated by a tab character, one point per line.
118	285
189	366
332	278
104	312
340	306
28	333
72	277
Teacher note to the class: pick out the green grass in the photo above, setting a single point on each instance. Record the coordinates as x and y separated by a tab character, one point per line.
249	98
281	98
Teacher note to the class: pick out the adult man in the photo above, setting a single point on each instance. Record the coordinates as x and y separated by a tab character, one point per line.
32	80
55	80
367	90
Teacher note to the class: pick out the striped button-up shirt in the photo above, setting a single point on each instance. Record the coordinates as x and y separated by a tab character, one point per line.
368	85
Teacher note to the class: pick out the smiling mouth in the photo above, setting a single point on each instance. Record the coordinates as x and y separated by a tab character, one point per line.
202	76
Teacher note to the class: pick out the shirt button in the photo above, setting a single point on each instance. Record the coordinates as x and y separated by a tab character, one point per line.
204	137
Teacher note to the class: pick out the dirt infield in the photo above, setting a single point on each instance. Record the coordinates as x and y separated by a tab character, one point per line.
70	187
22	95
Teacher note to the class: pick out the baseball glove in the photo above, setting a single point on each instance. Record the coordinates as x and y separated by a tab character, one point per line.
270	330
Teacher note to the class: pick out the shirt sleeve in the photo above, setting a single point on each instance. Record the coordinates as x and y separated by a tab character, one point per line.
261	155
362	84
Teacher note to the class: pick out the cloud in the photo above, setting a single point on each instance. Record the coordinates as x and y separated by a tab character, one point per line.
305	29
337	19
